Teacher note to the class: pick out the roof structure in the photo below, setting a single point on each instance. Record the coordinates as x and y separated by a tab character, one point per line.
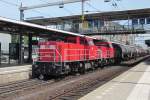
107	16
14	26
24	28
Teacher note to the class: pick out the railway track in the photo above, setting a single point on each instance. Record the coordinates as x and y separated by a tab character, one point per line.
21	86
68	88
82	88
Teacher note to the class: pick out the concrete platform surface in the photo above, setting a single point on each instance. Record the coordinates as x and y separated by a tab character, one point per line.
133	84
15	73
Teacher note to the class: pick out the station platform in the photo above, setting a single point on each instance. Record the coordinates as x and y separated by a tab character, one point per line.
15	73
133	84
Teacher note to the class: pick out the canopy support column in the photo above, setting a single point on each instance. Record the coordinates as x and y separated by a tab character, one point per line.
30	48
21	56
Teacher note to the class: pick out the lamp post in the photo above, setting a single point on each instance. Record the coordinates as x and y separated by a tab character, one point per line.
21	13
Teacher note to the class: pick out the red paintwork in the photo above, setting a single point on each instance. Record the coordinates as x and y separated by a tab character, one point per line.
74	50
107	49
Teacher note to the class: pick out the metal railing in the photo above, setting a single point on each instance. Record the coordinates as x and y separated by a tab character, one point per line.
123	28
69	55
48	56
82	54
106	29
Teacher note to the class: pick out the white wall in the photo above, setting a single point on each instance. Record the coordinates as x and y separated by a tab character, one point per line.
5	39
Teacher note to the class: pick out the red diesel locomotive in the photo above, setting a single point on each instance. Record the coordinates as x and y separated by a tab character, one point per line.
77	54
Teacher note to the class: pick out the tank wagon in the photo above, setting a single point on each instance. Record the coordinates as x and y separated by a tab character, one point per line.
127	52
79	54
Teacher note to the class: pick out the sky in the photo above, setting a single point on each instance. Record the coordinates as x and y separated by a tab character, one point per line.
10	8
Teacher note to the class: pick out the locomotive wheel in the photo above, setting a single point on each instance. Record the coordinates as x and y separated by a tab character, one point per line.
81	68
99	64
102	64
74	68
34	71
41	77
113	61
92	65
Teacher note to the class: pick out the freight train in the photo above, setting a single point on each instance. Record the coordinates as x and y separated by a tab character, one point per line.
77	54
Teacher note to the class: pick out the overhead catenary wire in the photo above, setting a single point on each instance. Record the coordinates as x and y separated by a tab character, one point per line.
97	10
120	5
41	13
17	5
114	4
67	10
9	3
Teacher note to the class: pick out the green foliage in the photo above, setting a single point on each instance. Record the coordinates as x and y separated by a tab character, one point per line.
15	39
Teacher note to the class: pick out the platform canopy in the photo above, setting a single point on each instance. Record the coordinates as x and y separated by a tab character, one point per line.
20	27
107	16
